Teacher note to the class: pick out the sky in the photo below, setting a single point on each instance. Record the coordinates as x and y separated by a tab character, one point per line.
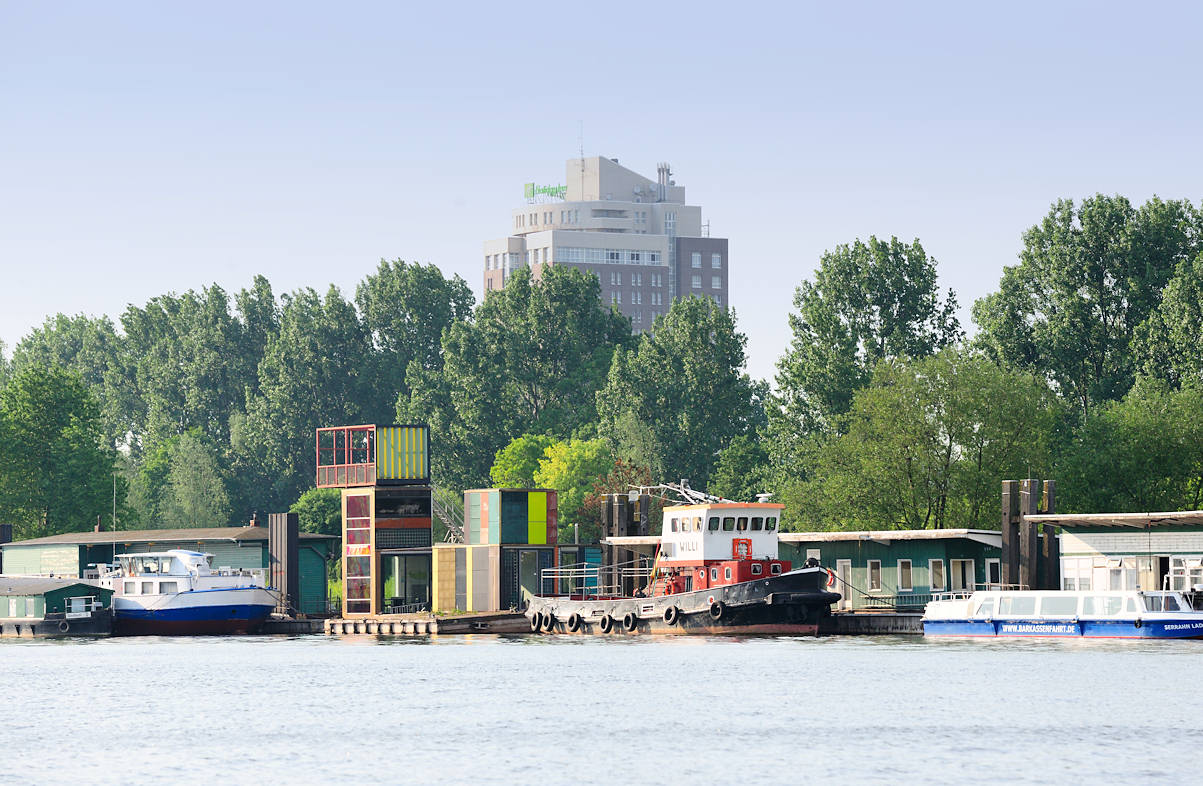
158	147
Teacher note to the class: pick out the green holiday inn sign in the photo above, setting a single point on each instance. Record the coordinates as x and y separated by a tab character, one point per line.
530	191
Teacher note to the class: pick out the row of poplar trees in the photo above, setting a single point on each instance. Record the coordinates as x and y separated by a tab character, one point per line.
1085	365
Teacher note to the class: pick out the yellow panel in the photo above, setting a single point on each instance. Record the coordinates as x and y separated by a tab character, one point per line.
536	517
402	452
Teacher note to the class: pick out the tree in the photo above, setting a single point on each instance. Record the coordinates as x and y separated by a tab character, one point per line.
530	361
197	494
1169	343
742	470
92	348
4	365
924	447
56	470
319	511
682	390
571	468
516	464
405	309
1142	453
1086	279
868	303
315	372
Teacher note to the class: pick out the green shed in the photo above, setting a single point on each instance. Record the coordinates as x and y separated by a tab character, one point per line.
899	569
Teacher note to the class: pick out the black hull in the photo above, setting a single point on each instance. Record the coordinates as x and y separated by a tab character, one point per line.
789	604
98	623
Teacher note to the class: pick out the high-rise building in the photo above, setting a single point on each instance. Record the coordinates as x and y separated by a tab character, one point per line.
646	246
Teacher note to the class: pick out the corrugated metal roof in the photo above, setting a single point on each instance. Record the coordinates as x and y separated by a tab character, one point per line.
1173	518
36	585
159	536
989	537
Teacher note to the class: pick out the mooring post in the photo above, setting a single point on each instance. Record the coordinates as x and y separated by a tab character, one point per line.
1050	550
1029	547
1010	532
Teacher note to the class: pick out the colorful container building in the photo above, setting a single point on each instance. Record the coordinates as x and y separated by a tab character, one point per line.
384	474
511	537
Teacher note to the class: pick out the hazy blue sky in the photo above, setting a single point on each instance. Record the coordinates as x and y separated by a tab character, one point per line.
153	147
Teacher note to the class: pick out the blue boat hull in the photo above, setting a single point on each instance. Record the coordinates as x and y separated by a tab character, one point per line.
1088	629
192	620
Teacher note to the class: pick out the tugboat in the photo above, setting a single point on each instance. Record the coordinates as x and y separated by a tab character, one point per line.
177	592
716	571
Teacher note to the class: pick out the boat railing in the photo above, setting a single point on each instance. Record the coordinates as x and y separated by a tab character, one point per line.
906	600
589	580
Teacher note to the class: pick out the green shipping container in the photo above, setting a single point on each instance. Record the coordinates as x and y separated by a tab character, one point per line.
510	516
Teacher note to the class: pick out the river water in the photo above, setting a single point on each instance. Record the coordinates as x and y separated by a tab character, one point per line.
527	709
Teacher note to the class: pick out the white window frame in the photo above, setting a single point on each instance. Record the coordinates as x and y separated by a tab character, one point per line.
910	569
695	260
869	576
716	261
943	576
696	281
990	561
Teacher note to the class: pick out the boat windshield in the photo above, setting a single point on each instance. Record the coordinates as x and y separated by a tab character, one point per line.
143	565
1168	602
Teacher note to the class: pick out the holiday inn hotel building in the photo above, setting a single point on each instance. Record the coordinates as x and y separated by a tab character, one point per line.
644	243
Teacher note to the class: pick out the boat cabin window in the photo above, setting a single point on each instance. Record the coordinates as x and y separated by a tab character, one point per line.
1059	606
742	524
148	588
770	523
714	523
673	524
775	568
1100	606
1131	606
757	523
727	574
985	608
169	587
131	588
757	569
1161	603
1019	606
697	523
728	524
714	574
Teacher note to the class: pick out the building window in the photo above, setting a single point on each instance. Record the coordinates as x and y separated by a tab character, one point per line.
653	257
613	298
904	576
695	259
716	261
635	257
716	282
874	575
619	293
637	279
718	301
697	281
935	570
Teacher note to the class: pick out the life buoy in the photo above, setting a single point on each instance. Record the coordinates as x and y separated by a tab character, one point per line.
536	622
606	623
830	577
630	621
64	626
671	615
549	622
574	623
717	610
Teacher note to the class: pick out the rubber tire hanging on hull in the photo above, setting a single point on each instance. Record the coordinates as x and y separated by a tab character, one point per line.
549	622
630	621
574	623
606	623
671	615
718	610
536	621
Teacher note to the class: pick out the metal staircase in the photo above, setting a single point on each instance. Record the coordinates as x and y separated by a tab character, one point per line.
448	507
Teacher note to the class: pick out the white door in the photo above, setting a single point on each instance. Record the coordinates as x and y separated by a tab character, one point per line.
993	573
843	571
962	575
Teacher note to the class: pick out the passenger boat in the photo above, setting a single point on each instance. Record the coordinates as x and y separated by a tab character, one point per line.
1132	614
716	570
178	592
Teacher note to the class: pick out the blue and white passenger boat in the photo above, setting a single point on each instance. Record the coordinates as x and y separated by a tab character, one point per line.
1132	614
178	592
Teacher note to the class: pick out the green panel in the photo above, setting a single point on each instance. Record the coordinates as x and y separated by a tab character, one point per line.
473	515
514	528
536	517
312	570
494	517
56	559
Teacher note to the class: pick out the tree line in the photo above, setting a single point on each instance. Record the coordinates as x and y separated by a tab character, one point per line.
199	409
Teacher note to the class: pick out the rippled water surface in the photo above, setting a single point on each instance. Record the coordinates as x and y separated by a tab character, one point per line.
517	710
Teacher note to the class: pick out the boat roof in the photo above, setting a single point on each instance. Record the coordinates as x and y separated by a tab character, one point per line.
1173	518
766	506
990	537
165	536
38	585
168	553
